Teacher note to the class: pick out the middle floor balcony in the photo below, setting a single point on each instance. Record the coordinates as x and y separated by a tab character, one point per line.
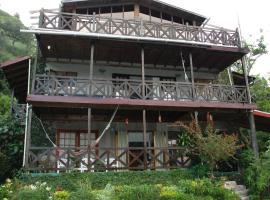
120	89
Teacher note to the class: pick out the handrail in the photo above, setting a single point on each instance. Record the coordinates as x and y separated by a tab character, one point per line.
138	28
132	89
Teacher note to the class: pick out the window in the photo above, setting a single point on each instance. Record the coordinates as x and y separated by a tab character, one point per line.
74	138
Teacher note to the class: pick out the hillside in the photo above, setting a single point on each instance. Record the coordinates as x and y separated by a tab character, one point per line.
13	43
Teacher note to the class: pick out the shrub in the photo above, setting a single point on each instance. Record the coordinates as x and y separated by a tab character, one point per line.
83	192
142	192
61	195
106	194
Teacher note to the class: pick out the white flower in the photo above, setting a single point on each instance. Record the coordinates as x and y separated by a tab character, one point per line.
37	183
5	199
8	180
33	187
43	184
48	188
50	197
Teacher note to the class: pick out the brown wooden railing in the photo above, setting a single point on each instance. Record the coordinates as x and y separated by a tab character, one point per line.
137	28
132	89
101	159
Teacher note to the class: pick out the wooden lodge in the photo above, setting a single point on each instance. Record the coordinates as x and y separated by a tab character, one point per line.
111	77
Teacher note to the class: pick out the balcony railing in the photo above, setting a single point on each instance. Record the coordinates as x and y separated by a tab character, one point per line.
137	28
132	89
101	159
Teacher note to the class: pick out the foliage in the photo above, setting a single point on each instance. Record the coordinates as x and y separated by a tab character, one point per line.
261	93
61	195
13	43
15	190
106	194
98	180
11	146
209	145
257	176
184	139
256	51
182	189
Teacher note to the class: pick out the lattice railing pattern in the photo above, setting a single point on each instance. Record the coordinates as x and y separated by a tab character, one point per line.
139	28
99	159
132	89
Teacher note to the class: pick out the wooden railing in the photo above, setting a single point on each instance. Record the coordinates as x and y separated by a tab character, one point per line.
132	89
103	159
137	28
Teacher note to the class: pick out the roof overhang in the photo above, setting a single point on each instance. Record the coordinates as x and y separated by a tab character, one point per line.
117	48
262	120
16	72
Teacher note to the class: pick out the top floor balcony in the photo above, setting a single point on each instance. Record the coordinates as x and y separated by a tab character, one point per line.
96	25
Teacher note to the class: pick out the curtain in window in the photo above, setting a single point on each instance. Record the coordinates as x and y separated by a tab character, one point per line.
122	142
161	141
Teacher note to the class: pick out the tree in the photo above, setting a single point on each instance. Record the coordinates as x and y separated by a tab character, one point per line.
211	146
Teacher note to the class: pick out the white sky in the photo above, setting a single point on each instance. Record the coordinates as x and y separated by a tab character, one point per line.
253	16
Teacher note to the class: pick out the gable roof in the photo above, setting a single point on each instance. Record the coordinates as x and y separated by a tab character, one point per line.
16	72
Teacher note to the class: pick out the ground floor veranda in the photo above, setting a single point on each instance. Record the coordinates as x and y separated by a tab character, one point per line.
60	139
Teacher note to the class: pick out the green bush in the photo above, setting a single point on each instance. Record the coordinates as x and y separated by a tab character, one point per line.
83	192
32	194
142	192
99	180
61	195
107	194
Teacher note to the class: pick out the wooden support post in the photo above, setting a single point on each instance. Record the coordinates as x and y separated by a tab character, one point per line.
136	11
192	76
253	134
144	139
91	69
12	101
250	113
27	136
196	116
144	112
34	70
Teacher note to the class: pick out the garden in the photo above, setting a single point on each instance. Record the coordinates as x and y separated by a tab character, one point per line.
137	185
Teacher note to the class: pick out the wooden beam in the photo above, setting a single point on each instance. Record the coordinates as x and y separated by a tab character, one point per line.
91	69
192	75
27	136
144	139
136	10
253	134
77	102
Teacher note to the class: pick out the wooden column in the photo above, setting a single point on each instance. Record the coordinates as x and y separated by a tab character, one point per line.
192	76
250	112
144	112
253	134
12	101
27	136
91	69
136	11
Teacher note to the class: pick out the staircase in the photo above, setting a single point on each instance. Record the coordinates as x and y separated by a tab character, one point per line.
241	190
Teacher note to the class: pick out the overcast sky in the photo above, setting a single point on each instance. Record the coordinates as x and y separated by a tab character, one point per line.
253	16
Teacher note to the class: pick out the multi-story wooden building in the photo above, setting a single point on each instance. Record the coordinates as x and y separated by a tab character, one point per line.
110	77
